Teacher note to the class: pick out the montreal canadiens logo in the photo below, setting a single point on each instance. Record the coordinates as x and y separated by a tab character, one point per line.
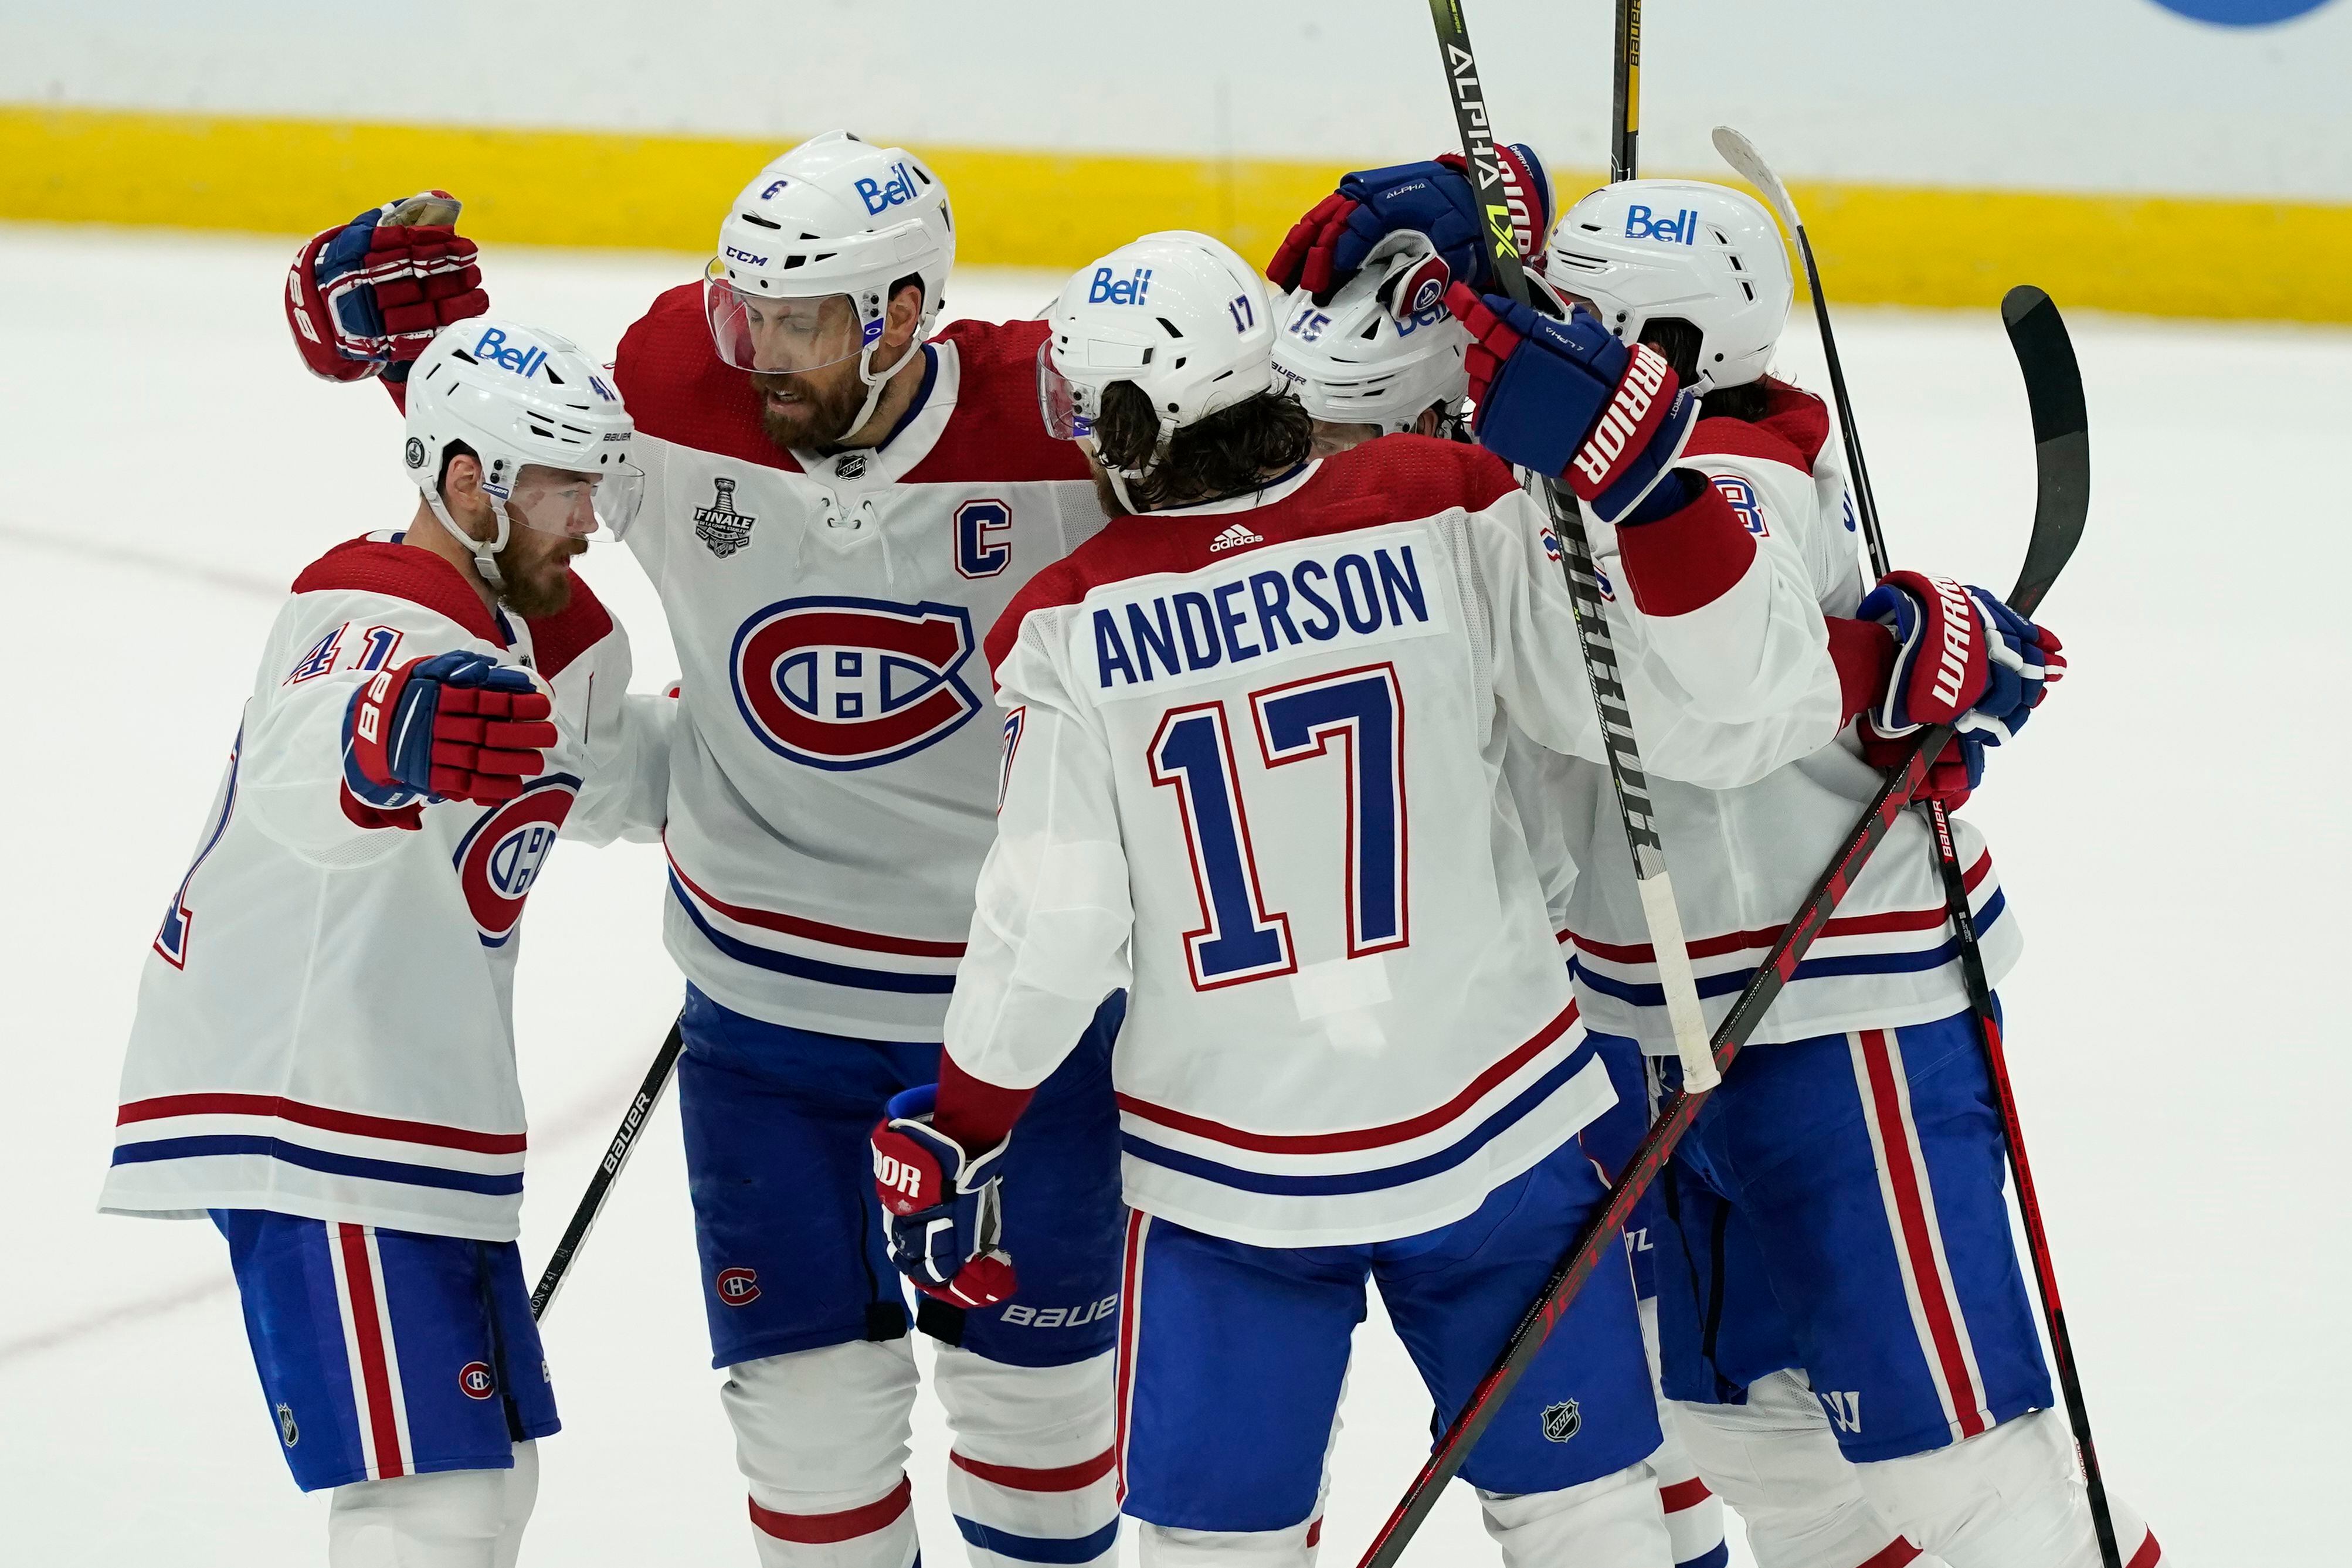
853	683
476	1379
738	1287
501	859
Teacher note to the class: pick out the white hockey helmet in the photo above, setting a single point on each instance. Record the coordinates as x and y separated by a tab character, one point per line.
1178	313
1644	249
543	421
1384	349
808	252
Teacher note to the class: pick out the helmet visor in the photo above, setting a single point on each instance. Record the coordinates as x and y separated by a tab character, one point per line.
1064	402
595	507
782	334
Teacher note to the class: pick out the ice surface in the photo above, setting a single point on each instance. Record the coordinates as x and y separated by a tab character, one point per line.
2171	832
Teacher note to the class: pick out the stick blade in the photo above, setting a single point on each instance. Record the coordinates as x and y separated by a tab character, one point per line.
1749	166
2062	440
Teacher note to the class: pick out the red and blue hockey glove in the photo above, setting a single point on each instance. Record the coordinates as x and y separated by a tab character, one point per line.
1328	246
1963	658
364	299
456	726
944	1208
1568	400
1951	778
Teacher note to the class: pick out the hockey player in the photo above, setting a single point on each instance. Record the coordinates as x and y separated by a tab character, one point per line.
838	504
1384	356
323	1055
1351	1048
1836	1238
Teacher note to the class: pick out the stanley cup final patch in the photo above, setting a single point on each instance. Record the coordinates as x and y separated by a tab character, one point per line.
719	525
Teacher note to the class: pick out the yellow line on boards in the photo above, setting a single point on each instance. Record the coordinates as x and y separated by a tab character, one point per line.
1877	244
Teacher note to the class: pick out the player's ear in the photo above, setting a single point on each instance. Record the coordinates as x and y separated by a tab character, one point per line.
462	480
1427	424
904	318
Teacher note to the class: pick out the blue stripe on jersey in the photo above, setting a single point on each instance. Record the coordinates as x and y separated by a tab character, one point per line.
206	1145
1039	1548
1371	1181
1732	981
810	968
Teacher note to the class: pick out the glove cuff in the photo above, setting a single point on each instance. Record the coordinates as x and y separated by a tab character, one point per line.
313	323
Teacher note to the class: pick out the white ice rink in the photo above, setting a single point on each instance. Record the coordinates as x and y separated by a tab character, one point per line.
2172	834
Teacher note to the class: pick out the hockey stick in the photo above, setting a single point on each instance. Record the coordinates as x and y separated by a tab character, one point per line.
616	1155
1625	127
2055	388
1659	913
1741	154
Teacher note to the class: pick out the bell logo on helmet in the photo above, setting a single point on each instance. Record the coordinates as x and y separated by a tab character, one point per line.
845	683
1680	230
881	195
521	359
1108	291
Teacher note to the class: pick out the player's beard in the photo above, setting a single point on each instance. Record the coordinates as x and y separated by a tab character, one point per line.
536	569
819	414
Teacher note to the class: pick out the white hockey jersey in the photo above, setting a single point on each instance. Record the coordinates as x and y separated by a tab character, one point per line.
325	1024
834	781
1745	858
1253	773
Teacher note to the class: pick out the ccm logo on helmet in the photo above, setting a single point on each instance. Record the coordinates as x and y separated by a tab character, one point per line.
746	257
842	683
1108	291
1680	230
521	359
881	195
499	860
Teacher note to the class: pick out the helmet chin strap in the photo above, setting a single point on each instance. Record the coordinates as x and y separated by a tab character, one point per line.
876	383
485	552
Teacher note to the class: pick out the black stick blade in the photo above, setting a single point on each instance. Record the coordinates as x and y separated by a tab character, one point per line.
2062	440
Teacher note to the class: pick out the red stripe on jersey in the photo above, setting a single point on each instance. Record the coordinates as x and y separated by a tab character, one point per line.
1688	560
1063	1478
1131	1328
1893	1555
815	930
1314	1533
1795	428
2149	1553
1683	1494
1360	1138
374	1370
1765	936
1917	1239
825	1529
403	571
320	1116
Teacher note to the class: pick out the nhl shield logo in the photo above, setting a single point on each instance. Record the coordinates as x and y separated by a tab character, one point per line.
719	525
850	466
841	684
476	1379
738	1287
1562	1421
287	1430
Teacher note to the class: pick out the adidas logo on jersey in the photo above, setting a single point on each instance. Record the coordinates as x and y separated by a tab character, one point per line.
1235	538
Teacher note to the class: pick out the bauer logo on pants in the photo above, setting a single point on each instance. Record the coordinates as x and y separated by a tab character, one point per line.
476	1379
1562	1421
841	684
738	1287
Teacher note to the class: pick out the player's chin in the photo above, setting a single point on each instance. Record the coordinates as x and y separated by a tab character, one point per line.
543	587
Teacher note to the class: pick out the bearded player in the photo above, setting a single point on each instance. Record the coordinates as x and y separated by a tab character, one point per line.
837	506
